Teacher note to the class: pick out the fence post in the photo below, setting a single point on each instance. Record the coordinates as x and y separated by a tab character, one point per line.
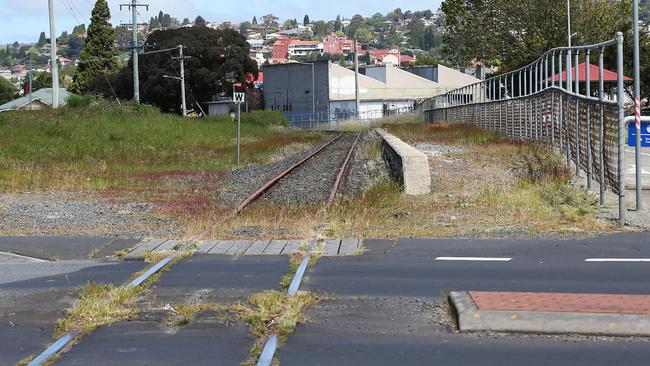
621	128
561	111
601	147
553	99
577	82
588	110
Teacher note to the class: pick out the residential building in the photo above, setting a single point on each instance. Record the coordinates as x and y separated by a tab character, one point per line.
285	49
391	56
41	99
5	73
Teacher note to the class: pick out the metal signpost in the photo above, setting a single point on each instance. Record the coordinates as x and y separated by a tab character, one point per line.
637	104
239	98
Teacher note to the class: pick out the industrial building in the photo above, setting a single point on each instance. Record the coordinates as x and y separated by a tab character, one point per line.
324	91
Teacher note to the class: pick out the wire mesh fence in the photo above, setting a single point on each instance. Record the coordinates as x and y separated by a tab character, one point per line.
555	118
542	103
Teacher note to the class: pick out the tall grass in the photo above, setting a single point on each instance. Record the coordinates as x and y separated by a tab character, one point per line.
98	145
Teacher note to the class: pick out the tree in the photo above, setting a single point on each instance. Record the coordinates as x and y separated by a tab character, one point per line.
416	32
254	20
526	28
186	21
338	25
40	80
290	24
199	21
154	23
217	59
7	91
41	40
244	27
98	54
306	21
320	29
78	30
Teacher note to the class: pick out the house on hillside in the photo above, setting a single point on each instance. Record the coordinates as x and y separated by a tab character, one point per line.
392	56
41	99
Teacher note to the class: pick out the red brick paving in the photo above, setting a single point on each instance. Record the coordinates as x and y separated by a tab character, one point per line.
556	302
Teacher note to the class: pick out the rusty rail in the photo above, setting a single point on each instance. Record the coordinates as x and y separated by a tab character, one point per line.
342	170
260	191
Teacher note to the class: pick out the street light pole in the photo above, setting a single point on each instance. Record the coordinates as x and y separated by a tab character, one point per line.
637	104
53	58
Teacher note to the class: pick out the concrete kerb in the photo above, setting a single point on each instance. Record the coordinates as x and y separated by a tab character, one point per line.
410	166
471	319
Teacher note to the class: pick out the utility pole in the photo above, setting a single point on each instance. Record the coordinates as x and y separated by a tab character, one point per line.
356	77
30	81
182	61
135	48
637	104
53	58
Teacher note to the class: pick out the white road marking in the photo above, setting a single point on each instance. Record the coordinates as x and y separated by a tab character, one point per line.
600	260
474	259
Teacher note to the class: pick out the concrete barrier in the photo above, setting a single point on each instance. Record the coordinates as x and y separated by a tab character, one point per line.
408	165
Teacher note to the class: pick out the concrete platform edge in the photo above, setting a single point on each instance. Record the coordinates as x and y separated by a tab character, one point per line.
471	319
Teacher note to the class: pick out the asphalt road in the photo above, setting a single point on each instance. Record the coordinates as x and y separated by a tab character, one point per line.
387	306
212	338
64	248
387	309
33	296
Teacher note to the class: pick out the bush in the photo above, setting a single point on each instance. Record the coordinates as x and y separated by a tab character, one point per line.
272	118
79	101
258	118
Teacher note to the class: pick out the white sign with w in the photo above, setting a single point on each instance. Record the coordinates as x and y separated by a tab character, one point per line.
239	98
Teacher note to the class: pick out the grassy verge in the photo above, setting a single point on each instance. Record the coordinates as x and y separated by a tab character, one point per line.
136	154
485	186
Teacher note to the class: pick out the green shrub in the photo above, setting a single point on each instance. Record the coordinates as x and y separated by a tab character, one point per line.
79	101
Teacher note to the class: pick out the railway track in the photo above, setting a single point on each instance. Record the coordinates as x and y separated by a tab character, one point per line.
318	174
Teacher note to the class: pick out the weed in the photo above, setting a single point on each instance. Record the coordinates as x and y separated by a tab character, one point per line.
98	305
121	254
294	262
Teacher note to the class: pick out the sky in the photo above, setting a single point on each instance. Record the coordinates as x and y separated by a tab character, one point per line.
23	20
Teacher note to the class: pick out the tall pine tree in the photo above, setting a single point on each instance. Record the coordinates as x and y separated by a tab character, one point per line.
41	40
98	55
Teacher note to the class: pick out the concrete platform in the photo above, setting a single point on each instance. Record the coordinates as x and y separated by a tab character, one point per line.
409	166
553	313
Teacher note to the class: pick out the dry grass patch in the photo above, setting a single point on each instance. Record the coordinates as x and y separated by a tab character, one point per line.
270	220
99	305
487	186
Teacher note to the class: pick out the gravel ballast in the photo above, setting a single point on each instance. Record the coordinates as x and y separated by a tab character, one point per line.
61	213
313	181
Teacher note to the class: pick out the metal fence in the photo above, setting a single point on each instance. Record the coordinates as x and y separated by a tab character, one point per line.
546	102
332	119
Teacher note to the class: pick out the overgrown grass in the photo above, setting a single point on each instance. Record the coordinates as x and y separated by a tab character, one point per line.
99	305
105	146
494	186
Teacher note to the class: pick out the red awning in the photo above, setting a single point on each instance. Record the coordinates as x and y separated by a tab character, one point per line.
608	75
